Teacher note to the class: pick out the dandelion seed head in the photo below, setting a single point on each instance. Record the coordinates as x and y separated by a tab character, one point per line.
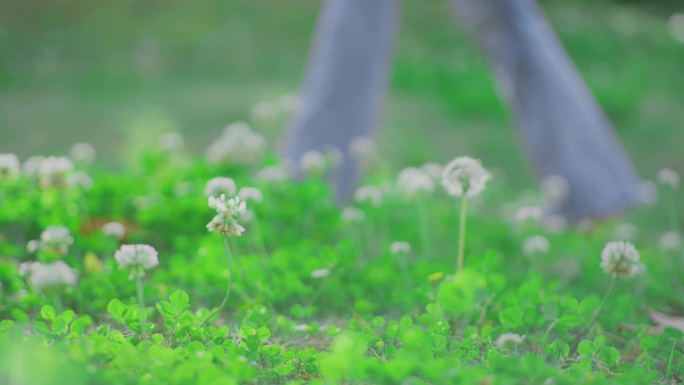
434	170
464	175
215	187
413	182
31	166
621	259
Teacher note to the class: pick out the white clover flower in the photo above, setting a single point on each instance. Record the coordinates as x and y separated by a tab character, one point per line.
556	189
220	185
353	215
83	153
668	177
50	276
669	240
369	194
626	231
400	248
114	229
171	141
509	341
529	214
53	171
536	245
675	26
434	170
289	103
238	145
621	259
320	273
413	182
31	166
363	149
313	163
273	174
80	179
464	175
228	211
251	194
648	192
137	257
54	239
9	166
266	112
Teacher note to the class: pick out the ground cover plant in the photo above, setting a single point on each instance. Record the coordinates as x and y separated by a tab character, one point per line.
224	269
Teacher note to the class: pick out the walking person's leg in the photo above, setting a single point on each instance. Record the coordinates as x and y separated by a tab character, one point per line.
563	129
345	82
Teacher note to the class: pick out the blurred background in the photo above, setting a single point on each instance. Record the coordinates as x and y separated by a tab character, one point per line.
118	74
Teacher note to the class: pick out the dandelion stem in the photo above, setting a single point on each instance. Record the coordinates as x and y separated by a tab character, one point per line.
141	304
605	299
462	233
230	278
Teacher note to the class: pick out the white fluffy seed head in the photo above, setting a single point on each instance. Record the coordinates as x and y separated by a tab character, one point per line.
220	185
137	256
400	248
114	229
621	259
31	166
668	177
369	194
413	183
536	245
434	170
9	167
464	175
83	153
53	275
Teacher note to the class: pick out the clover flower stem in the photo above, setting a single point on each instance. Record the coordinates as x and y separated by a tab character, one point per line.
670	208
230	279
424	230
141	304
54	297
259	235
605	299
462	233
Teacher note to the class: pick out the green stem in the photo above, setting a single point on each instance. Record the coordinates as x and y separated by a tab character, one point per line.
424	230
230	278
605	299
462	233
141	304
546	335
